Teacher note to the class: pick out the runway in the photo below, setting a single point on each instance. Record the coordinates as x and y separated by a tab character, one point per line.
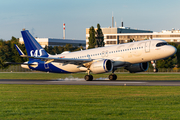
96	82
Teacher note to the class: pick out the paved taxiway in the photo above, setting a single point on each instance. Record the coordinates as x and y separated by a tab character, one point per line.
96	82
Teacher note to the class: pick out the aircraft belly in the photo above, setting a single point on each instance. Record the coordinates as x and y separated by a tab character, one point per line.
66	67
118	61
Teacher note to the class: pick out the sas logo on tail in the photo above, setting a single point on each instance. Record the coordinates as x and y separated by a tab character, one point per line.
36	53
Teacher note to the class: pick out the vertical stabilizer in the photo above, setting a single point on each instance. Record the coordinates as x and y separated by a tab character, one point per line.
33	48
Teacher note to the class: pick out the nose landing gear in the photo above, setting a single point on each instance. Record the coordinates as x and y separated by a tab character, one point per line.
154	65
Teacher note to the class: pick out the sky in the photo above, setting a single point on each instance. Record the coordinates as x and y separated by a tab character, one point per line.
44	18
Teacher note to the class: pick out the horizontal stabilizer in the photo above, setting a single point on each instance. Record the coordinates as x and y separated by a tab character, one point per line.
19	50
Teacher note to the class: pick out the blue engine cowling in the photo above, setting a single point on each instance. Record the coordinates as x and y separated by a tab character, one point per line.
101	66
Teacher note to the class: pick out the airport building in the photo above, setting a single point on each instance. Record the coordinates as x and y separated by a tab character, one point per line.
168	35
121	35
57	42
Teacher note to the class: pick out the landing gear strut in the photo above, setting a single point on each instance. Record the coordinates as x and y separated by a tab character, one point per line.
154	65
88	77
113	76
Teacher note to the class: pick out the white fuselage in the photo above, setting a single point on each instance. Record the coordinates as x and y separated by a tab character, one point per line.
121	54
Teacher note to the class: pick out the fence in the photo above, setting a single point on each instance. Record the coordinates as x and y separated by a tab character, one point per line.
15	68
18	68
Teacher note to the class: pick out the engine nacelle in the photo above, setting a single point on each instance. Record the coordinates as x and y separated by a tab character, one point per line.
101	66
140	67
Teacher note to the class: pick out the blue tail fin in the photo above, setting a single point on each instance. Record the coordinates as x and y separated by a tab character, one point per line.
33	48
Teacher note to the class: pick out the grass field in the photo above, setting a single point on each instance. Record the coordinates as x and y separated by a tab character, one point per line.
89	102
120	76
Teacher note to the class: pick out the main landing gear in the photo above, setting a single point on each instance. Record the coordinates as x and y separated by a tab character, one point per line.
113	76
154	65
90	77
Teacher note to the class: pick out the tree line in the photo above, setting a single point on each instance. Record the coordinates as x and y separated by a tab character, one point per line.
8	52
59	49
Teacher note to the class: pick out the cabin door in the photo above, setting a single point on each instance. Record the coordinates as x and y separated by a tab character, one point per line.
46	66
147	46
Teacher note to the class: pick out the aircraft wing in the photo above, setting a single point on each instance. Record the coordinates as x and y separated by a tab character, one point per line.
61	60
14	63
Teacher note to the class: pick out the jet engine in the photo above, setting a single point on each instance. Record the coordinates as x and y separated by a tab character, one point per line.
140	67
101	66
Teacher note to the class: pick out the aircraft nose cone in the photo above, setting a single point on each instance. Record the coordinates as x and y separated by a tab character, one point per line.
172	50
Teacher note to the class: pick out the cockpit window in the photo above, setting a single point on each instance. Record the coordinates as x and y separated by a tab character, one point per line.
161	44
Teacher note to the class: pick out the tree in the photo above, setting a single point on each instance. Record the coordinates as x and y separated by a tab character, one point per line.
59	49
178	55
131	40
99	37
9	53
92	39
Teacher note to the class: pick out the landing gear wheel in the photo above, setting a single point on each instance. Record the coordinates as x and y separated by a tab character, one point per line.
88	77
112	77
155	70
91	77
115	76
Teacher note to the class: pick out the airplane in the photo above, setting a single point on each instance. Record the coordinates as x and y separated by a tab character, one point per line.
133	56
